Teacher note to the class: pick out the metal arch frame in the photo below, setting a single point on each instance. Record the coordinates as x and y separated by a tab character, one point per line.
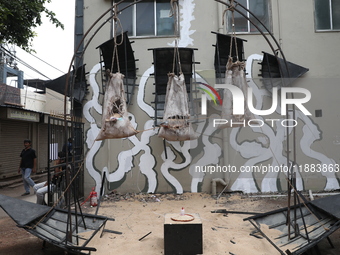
291	179
111	17
274	52
75	55
69	223
112	9
90	39
257	27
80	56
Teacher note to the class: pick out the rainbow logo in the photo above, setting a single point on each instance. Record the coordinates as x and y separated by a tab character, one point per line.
211	92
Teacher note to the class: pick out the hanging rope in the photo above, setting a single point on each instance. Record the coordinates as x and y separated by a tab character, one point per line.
174	13
233	39
176	58
117	24
231	8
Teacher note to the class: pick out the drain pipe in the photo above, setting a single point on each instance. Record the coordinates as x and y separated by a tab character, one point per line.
213	185
220	11
225	140
225	182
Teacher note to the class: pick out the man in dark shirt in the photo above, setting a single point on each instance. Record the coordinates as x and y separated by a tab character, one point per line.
67	149
28	164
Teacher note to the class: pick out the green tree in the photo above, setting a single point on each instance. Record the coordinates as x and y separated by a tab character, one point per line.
18	18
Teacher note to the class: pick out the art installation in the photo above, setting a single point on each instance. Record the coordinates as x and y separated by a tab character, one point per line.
175	125
235	75
115	119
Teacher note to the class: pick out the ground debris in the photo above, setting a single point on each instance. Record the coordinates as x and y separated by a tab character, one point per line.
115	196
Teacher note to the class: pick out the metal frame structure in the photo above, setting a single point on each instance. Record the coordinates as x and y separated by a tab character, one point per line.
163	63
115	11
222	46
126	65
56	136
52	224
291	177
315	221
297	212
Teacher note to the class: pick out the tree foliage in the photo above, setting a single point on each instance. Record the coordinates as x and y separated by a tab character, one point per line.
18	18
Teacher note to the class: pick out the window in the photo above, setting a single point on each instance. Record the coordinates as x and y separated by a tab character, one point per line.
260	8
147	18
327	15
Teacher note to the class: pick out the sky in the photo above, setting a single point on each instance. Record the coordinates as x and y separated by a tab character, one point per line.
52	45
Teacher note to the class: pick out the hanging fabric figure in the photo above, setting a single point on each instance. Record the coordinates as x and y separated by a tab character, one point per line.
235	75
176	126
115	119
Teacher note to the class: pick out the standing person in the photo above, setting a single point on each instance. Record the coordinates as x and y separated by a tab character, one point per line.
28	164
67	148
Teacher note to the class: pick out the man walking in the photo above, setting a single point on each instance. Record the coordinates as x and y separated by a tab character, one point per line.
28	165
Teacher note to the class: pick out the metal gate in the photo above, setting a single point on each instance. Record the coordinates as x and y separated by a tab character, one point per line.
12	135
66	141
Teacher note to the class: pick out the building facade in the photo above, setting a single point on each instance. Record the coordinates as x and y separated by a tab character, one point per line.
251	158
24	113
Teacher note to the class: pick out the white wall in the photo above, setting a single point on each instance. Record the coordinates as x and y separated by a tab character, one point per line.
38	102
138	163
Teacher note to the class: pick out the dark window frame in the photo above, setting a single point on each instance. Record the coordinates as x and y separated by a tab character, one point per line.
327	15
146	25
244	26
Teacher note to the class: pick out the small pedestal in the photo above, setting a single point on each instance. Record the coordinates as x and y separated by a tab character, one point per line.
183	238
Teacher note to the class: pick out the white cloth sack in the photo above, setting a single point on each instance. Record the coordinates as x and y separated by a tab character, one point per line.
176	126
115	119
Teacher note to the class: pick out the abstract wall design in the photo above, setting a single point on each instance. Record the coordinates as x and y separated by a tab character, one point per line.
269	146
